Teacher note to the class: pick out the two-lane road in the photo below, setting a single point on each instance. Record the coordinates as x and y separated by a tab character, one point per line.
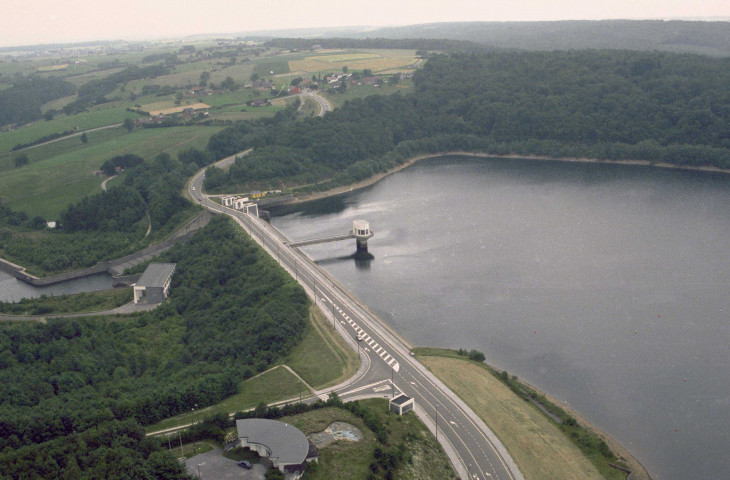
473	449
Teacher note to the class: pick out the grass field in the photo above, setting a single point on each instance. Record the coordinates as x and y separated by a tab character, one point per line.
538	447
83	121
404	87
45	187
323	358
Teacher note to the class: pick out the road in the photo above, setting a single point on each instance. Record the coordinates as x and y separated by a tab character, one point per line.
324	105
474	450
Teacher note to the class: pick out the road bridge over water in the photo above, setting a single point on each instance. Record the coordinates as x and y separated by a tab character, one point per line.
474	451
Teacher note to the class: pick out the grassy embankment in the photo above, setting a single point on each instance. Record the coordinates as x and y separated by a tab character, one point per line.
77	303
321	359
541	447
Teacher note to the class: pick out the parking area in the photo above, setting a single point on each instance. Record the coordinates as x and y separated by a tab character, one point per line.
213	465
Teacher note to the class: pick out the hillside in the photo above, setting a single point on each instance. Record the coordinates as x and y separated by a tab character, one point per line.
707	38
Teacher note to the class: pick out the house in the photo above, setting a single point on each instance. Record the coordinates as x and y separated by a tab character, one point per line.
154	284
370	81
264	84
294	90
284	445
188	113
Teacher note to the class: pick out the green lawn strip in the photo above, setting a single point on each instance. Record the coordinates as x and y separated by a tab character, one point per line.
76	303
322	358
403	87
67	178
537	443
62	123
274	385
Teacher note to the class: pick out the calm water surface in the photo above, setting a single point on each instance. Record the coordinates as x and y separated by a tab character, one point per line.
13	290
607	286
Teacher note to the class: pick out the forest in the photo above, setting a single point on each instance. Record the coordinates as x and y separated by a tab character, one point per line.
22	102
609	105
75	392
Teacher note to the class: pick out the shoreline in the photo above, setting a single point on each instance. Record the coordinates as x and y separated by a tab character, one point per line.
377	177
638	470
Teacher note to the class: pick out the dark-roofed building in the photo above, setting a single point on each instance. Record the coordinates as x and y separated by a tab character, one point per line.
283	444
402	404
154	284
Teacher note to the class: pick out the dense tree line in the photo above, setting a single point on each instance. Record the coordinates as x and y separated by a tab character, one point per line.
93	92
22	102
422	43
600	104
73	392
712	38
116	209
9	217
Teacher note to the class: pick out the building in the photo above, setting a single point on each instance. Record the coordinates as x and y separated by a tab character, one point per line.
154	284
402	404
284	445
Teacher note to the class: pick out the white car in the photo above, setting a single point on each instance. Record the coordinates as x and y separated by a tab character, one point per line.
193	189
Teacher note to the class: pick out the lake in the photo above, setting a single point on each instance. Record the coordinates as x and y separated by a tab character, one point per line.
607	286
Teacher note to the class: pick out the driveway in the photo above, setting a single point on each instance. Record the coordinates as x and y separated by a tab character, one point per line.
214	466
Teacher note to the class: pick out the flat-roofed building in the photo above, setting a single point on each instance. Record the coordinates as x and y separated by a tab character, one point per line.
283	444
154	284
402	404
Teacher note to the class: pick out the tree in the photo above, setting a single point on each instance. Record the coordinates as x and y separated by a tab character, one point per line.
204	77
229	84
254	77
344	69
129	124
178	98
21	160
84	138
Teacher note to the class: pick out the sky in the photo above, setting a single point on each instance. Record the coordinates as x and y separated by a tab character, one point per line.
28	22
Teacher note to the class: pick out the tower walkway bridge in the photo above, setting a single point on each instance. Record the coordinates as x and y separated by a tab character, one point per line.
360	232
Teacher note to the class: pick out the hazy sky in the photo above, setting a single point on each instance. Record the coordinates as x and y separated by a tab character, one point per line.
24	22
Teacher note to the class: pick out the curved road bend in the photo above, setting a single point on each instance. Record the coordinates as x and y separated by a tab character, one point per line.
474	450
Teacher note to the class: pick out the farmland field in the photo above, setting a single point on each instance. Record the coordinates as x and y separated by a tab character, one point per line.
83	121
169	107
375	60
47	186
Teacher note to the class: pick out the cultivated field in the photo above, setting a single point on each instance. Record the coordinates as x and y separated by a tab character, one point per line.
377	61
169	107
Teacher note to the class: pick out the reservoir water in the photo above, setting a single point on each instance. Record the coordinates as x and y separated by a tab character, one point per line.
607	286
13	290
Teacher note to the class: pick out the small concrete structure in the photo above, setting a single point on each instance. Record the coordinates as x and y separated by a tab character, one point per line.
361	232
402	404
283	444
154	284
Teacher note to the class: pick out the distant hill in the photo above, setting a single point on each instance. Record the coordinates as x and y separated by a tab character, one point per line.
701	37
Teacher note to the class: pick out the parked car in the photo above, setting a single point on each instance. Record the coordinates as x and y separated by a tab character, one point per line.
245	464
